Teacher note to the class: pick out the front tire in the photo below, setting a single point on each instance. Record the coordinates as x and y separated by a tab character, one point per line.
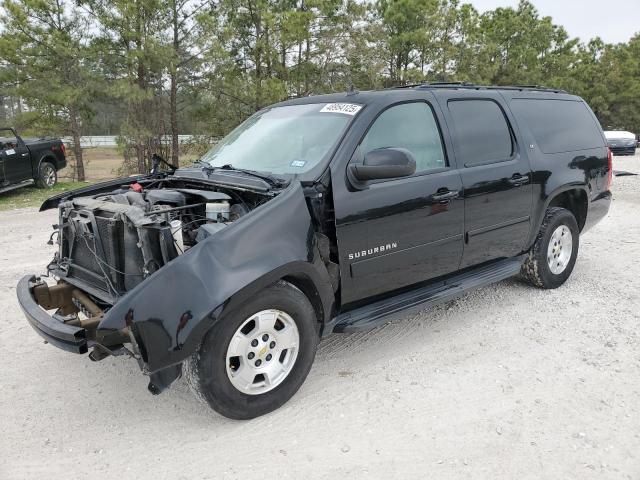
550	261
257	356
47	175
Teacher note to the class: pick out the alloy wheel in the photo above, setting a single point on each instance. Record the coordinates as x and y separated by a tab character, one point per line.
559	249
262	352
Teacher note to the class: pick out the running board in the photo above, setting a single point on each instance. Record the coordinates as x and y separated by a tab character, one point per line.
8	188
383	311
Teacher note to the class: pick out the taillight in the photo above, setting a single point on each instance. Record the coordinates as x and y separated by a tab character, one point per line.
609	168
60	147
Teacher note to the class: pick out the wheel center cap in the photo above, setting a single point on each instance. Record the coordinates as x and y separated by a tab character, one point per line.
262	351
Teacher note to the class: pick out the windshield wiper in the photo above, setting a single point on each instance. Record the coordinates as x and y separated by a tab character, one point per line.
270	179
205	165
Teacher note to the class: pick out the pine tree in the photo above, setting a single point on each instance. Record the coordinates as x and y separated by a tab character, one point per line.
47	63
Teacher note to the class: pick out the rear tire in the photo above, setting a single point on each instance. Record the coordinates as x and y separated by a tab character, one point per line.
551	259
47	175
260	374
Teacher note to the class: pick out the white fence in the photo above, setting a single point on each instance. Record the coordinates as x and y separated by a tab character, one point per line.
110	140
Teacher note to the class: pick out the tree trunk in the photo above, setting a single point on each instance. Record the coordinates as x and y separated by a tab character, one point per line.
173	95
298	84
141	111
307	57
173	99
77	148
268	46
142	164
258	60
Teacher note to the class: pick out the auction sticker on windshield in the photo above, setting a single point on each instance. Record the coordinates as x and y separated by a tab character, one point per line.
346	108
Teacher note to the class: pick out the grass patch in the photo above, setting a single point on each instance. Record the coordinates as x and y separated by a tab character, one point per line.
33	197
101	163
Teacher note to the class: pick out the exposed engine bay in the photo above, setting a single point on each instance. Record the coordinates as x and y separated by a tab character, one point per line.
145	266
110	242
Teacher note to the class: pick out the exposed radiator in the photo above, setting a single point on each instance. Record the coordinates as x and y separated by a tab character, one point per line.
110	251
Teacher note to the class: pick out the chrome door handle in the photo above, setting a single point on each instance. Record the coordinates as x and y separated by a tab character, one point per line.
445	197
518	180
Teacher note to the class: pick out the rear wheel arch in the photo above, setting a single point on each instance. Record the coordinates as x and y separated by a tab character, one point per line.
48	159
574	195
574	200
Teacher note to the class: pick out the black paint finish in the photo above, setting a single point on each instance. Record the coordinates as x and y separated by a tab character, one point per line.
387	236
424	234
421	217
497	211
497	191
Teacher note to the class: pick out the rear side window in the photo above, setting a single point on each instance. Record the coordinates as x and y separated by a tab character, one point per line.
412	126
559	125
481	130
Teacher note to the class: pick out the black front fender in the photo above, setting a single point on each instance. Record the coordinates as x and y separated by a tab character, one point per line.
172	309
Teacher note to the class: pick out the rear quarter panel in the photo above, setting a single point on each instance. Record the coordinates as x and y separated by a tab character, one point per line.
46	149
554	172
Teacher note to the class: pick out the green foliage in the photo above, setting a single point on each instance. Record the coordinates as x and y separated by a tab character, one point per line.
48	64
148	68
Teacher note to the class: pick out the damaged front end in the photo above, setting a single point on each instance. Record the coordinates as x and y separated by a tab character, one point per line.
146	268
109	243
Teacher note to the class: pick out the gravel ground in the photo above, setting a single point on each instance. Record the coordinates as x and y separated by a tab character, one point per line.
506	382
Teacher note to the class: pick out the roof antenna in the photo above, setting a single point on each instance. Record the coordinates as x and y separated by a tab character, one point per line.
352	90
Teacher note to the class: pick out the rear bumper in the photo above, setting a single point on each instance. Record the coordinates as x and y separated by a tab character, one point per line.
66	337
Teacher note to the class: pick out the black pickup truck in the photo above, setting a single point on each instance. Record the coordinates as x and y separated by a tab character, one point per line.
29	160
333	213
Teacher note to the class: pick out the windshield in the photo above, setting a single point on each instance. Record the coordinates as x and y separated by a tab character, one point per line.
284	140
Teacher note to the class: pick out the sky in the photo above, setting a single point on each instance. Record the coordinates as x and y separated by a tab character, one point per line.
612	20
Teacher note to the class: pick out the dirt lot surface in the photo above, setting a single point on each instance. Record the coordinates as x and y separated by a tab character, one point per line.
507	382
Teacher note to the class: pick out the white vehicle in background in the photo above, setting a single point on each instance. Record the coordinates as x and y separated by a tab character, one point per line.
621	142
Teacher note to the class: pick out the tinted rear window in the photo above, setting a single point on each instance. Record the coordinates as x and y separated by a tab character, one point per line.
481	130
559	125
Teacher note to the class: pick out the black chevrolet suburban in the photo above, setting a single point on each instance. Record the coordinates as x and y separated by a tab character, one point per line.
333	213
25	161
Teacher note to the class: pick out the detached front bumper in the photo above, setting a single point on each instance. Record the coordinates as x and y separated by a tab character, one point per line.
36	297
62	335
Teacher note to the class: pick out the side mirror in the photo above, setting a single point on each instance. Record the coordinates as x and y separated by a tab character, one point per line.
384	163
